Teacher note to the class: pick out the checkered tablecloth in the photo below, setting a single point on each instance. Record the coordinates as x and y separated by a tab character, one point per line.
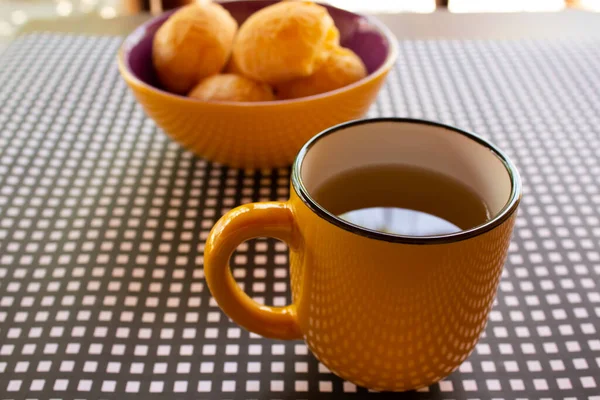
103	221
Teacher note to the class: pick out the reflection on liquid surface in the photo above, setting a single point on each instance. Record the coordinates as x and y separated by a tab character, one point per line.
400	221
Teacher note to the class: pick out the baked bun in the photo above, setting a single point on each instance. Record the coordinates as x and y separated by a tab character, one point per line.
193	43
285	41
342	68
231	87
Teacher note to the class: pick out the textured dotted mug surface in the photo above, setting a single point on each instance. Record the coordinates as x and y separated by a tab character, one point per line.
386	312
103	222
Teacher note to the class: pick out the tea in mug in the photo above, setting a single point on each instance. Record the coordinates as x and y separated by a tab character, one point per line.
402	200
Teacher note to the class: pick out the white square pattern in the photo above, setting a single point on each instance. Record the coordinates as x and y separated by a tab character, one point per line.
103	221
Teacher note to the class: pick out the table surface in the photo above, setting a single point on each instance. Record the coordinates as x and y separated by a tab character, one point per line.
103	219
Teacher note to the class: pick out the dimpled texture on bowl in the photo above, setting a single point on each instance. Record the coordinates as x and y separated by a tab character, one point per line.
256	135
285	41
231	87
194	43
342	68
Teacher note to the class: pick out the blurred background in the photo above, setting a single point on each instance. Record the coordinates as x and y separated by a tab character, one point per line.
15	13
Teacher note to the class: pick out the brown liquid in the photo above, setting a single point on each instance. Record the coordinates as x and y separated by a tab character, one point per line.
402	200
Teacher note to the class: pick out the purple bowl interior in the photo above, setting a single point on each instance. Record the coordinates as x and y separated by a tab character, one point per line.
356	33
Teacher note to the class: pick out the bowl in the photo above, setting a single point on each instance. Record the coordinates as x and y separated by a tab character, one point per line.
262	134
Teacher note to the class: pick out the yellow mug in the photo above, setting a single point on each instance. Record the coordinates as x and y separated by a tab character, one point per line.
384	311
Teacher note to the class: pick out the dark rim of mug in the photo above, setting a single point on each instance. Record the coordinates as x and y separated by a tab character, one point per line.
505	213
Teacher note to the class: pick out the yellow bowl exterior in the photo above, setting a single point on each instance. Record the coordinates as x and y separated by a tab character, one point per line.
252	135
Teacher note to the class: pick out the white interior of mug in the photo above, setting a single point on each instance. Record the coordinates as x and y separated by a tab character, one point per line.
438	148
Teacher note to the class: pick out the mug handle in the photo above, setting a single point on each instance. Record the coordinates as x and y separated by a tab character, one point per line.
273	219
